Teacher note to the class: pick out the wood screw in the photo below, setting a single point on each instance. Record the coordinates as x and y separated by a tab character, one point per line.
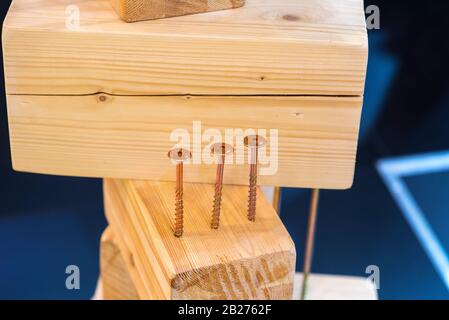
220	150
179	156
253	143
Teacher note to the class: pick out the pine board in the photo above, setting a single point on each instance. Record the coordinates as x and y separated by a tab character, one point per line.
129	137
294	47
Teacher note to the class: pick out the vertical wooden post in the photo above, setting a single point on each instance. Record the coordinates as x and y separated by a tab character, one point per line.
240	260
116	281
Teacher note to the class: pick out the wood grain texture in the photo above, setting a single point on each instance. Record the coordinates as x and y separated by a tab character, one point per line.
311	47
116	281
129	137
321	287
138	10
241	260
118	285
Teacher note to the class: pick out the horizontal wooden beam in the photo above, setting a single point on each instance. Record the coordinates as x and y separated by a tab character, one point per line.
129	137
291	47
240	260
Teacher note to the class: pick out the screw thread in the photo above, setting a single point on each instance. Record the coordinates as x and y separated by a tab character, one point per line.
179	213
252	196
217	206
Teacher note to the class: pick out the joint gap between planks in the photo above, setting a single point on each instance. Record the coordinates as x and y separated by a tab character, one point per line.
186	95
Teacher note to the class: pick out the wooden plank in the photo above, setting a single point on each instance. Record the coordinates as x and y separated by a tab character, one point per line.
311	47
117	283
138	10
129	136
240	260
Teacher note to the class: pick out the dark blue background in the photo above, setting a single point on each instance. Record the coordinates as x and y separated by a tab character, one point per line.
47	223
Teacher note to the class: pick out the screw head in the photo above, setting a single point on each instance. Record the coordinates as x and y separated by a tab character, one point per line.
179	155
220	149
254	141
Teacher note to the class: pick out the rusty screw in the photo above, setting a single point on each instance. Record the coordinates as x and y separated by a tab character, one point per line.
179	156
221	150
253	143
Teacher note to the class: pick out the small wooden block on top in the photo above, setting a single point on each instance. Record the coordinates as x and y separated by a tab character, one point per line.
240	260
138	10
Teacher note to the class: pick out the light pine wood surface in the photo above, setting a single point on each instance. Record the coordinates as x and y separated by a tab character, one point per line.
138	10
311	47
129	137
116	281
321	287
116	284
240	260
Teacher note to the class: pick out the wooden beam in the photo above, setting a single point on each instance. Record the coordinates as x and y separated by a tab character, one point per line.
240	260
311	47
116	281
118	286
138	10
129	137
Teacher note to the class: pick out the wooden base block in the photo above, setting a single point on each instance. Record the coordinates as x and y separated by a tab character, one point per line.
240	260
116	281
138	10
